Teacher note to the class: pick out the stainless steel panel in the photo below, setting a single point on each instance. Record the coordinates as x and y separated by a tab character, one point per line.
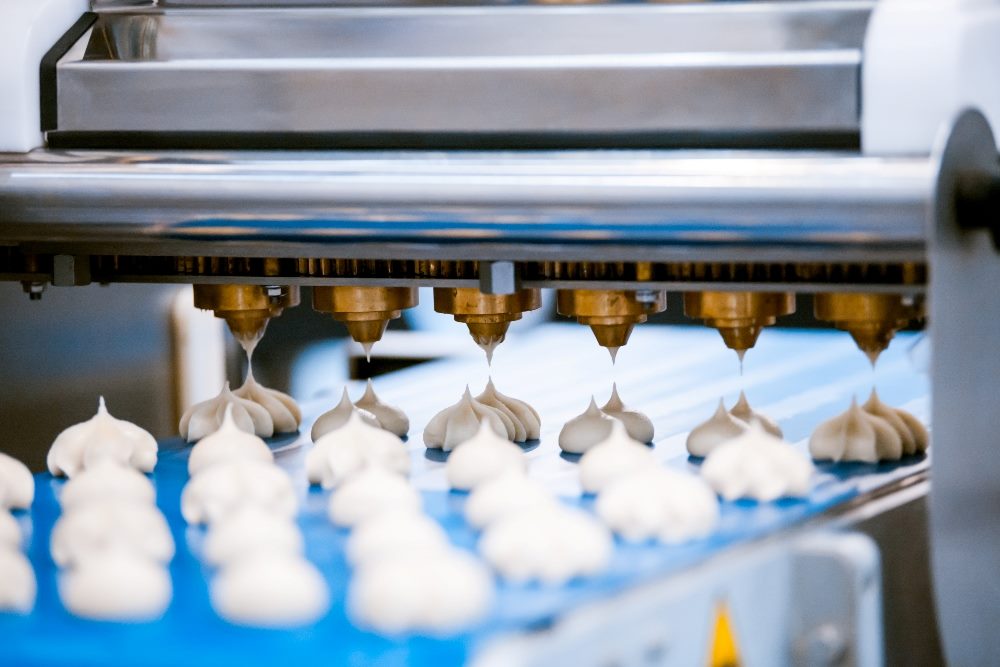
609	205
964	310
733	68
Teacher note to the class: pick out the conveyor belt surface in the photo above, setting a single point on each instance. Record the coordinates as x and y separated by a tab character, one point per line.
675	375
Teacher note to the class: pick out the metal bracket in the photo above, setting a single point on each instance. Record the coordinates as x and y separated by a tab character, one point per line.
498	278
70	270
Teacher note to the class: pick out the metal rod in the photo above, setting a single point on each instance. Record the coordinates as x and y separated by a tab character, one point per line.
740	201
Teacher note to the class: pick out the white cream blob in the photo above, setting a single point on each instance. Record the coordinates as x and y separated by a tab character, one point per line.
370	493
92	530
337	417
661	504
394	534
284	411
719	428
638	425
391	418
270	589
101	437
524	418
229	442
438	592
551	544
251	530
206	417
117	586
17	486
355	446
857	435
457	423
10	532
482	457
107	480
586	430
742	411
912	433
17	582
616	455
504	495
757	465
230	485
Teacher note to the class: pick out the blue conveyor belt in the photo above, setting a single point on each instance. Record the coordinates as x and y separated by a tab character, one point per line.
675	375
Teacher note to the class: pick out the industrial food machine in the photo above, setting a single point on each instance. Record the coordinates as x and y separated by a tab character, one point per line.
740	153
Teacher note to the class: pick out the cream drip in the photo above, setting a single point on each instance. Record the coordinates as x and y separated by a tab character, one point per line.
93	529
270	589
757	465
107	480
721	427
390	418
912	433
219	490
251	530
552	544
482	457
393	534
101	437
745	413
435	591
339	415
370	493
206	417
586	430
17	486
858	435
527	423
119	585
613	457
457	423
229	442
284	411
357	445
17	582
657	503
508	493
638	425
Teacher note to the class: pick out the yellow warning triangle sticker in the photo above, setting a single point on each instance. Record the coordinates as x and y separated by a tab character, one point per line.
723	651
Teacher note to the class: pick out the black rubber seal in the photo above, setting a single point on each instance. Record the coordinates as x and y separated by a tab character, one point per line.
446	141
47	70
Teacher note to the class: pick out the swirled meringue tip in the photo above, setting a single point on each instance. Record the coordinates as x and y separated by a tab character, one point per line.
335	418
457	423
586	430
742	411
390	418
284	411
228	442
714	431
204	418
100	437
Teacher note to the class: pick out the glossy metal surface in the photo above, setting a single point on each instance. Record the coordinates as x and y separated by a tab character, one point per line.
596	70
607	206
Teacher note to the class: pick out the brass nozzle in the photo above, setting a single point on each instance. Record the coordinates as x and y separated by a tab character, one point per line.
488	316
365	311
739	316
871	319
611	314
246	308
